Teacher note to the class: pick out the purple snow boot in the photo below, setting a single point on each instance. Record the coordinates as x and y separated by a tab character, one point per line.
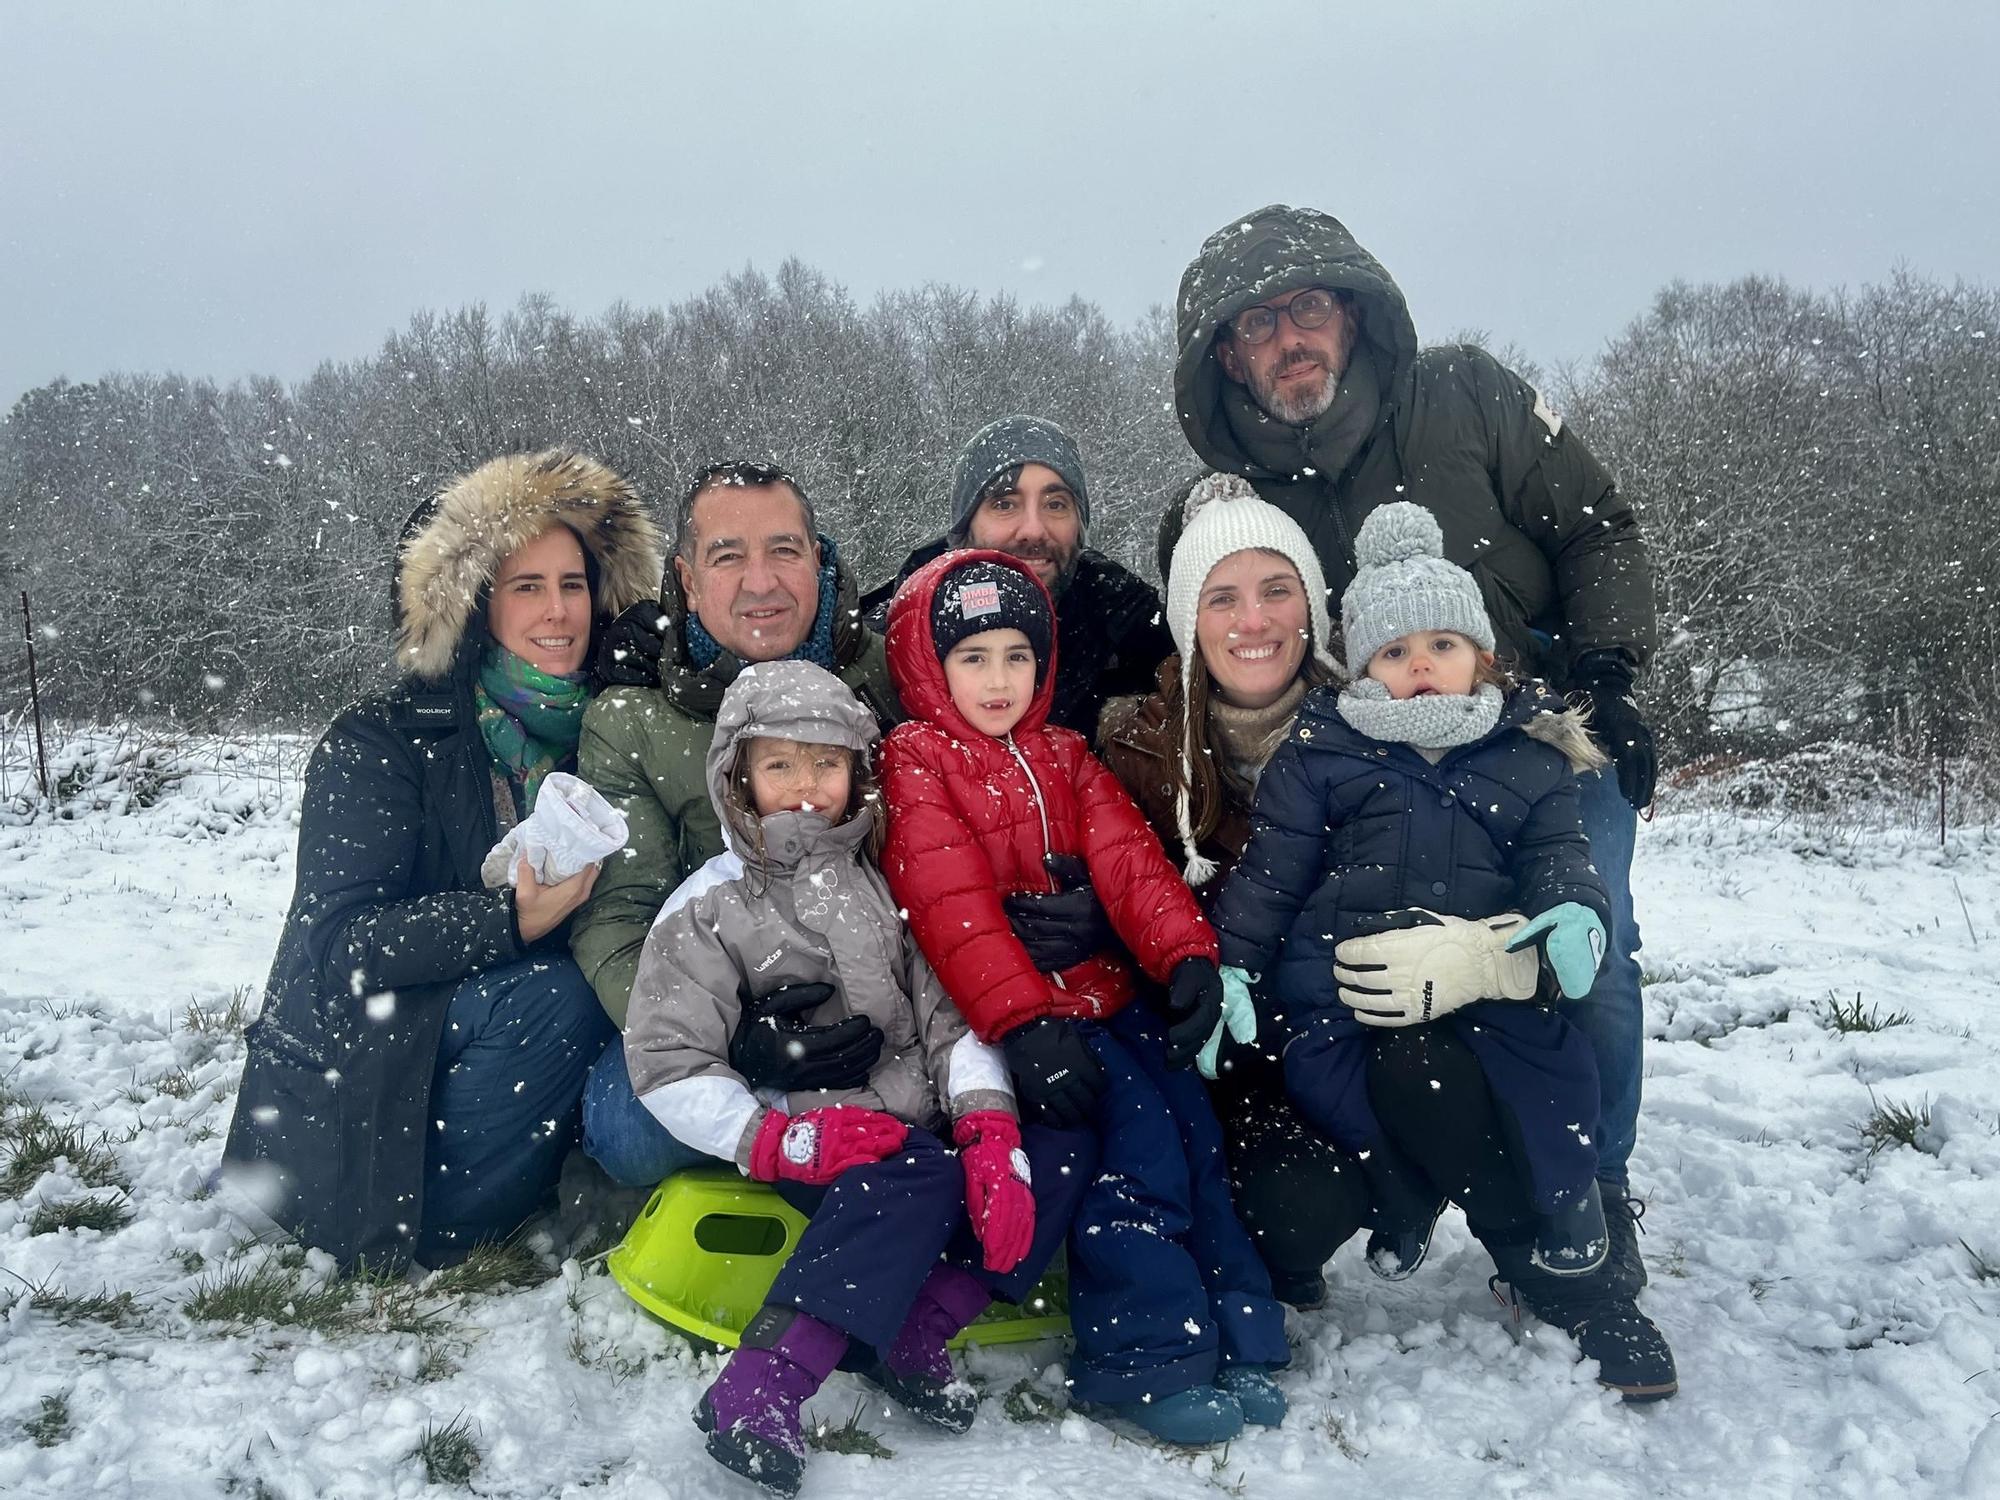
916	1371
751	1413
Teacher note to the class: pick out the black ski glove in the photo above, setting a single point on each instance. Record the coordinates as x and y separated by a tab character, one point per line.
1194	1006
1056	1080
1062	929
773	1050
628	653
1615	721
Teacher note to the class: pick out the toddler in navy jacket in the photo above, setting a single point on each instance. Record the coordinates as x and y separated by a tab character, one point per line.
1430	793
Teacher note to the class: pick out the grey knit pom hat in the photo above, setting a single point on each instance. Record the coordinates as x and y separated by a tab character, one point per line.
1403	583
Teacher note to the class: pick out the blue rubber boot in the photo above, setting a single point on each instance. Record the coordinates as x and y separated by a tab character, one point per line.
1263	1404
1197	1417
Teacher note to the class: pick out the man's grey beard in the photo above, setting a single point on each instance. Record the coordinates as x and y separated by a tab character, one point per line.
1306	406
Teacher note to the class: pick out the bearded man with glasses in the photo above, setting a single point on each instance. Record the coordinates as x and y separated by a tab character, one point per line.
1298	369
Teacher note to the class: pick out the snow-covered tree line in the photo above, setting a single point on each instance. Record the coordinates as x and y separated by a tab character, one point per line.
1819	475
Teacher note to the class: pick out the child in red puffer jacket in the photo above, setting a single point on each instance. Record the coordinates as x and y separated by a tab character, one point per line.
985	799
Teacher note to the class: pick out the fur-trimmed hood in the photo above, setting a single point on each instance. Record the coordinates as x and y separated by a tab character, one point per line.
455	541
1567	730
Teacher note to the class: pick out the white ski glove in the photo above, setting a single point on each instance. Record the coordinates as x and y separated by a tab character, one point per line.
1416	974
572	826
1239	1016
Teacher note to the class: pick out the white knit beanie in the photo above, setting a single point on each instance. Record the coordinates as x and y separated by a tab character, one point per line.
1403	583
1224	517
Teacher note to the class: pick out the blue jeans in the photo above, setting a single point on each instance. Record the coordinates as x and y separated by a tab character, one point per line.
621	1135
505	1096
1613	1016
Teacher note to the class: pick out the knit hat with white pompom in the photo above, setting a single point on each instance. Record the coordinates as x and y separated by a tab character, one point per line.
1404	584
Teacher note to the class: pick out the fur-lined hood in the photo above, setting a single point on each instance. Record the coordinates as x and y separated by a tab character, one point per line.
455	542
1567	730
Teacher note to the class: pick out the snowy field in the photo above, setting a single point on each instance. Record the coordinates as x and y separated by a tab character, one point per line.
1823	1227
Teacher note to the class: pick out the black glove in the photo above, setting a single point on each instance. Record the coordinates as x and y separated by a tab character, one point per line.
1063	929
771	1050
628	653
1614	719
1194	1006
1056	1080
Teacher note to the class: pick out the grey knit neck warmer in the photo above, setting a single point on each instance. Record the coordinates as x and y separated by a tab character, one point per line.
1436	721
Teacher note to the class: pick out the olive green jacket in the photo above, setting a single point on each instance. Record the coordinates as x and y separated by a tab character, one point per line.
646	751
1521	501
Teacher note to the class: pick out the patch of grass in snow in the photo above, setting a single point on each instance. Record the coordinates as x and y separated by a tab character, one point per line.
1983	1268
1847	1018
849	1437
51	1425
69	1010
221	1020
1027	1403
106	1215
1335	1427
450	1453
489	1268
434	1362
33	1143
1893	1124
270	1293
117	1309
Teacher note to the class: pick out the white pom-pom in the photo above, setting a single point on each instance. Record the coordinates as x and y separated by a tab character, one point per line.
1396	533
1213	487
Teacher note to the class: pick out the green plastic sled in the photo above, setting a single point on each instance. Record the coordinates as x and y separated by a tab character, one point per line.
704	1251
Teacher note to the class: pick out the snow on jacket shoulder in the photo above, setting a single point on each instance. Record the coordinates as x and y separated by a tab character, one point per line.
972	820
1347	827
793	901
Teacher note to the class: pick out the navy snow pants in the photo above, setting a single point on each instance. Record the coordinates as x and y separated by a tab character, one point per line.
879	1228
1165	1285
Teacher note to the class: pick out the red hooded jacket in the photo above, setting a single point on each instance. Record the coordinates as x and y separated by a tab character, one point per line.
971	817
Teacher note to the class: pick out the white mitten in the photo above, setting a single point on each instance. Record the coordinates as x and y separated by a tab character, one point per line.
571	826
1416	974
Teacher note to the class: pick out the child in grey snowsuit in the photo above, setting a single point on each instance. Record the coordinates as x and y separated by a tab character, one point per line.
908	1241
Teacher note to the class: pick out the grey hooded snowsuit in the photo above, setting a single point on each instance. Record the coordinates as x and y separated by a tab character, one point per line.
800	904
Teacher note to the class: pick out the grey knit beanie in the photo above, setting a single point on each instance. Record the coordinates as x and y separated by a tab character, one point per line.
1006	444
1403	583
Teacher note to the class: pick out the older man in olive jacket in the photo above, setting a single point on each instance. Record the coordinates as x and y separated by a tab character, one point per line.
1299	370
752	580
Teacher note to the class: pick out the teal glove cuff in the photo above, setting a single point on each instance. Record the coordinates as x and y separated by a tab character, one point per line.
1572	937
1239	1018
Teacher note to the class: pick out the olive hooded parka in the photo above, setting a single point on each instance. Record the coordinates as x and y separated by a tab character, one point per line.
1522	502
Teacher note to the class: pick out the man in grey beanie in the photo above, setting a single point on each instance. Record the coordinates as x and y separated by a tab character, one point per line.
1019	488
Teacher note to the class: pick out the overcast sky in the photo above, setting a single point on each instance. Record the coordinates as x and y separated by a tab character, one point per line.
234	189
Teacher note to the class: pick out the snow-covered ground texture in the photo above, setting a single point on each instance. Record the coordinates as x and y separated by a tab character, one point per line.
1832	1291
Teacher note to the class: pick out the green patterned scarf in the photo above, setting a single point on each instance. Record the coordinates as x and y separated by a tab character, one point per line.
529	718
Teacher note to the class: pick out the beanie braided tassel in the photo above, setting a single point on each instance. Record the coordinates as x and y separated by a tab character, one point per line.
1199	869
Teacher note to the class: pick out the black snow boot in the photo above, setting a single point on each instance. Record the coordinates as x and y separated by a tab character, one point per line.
1395	1254
1622	1214
1573	1240
1598	1311
1303	1290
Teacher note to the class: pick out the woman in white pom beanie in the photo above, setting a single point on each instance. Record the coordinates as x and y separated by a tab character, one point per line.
1246	603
